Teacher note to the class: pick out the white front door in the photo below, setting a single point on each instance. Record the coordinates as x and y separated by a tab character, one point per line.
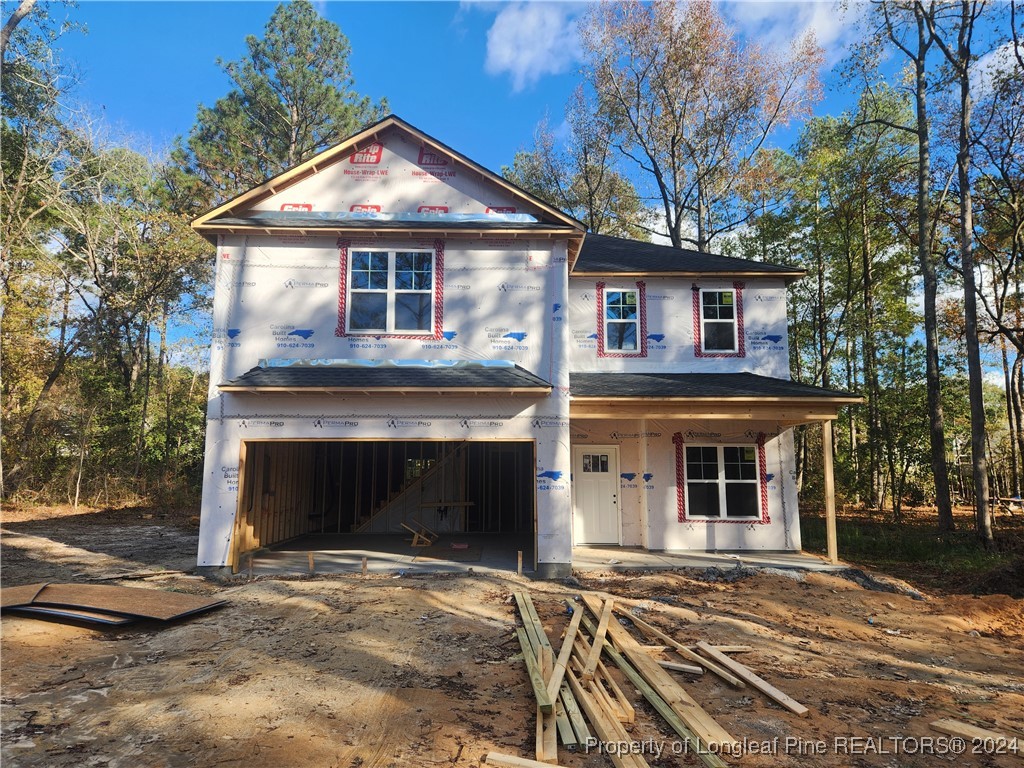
595	484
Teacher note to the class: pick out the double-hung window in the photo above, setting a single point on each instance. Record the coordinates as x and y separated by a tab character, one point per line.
621	320
718	331
391	292
722	482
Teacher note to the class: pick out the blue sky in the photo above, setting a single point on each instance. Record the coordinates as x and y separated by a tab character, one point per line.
478	76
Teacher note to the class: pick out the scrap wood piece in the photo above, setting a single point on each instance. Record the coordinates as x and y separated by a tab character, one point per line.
952	727
706	756
12	597
540	688
727	648
563	655
566	735
511	761
689	668
572	711
759	683
698	721
681	649
595	650
421	535
547	725
137	602
618	697
531	621
608	729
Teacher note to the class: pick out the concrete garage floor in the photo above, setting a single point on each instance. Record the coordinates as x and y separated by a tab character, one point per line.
493	553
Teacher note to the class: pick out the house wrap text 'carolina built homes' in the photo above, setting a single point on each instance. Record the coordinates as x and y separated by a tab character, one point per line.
401	335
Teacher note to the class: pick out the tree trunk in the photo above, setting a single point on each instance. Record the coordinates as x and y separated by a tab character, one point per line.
933	378
979	460
870	368
1011	420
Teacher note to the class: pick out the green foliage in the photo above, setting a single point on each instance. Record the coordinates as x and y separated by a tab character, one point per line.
292	97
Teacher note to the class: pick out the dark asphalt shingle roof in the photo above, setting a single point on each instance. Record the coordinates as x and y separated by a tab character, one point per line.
364	377
717	385
603	254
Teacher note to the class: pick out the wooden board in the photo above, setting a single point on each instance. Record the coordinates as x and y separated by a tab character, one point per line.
688	668
540	689
511	761
563	655
11	597
681	649
595	651
761	684
966	730
662	707
137	602
697	720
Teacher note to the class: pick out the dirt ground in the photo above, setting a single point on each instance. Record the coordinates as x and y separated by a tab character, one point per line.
426	671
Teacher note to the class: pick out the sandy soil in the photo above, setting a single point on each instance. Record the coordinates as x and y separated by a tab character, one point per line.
425	671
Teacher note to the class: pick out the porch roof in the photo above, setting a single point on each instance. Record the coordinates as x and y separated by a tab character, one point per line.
371	377
748	396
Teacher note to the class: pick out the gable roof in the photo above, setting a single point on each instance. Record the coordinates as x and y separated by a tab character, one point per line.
606	255
353	144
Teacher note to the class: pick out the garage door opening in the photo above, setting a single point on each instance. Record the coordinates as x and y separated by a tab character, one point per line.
297	488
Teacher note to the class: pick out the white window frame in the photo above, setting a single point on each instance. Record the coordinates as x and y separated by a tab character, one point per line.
735	323
391	291
606	322
722	483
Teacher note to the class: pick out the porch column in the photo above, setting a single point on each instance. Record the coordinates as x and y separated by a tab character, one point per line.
830	492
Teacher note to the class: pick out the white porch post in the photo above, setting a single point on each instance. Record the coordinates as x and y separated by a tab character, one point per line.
830	492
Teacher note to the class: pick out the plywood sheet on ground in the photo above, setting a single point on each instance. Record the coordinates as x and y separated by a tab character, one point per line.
11	597
123	601
74	615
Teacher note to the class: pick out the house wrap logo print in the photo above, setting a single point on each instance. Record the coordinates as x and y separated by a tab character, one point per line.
369	155
430	159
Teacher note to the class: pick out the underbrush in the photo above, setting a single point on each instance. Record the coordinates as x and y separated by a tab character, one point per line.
915	551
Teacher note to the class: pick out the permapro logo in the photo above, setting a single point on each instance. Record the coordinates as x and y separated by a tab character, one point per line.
430	159
368	155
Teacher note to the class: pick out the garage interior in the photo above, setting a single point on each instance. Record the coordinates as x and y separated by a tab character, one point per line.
315	488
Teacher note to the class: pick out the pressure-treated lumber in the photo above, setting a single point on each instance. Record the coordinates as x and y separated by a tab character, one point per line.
727	648
681	649
572	711
547	724
688	668
565	732
595	650
710	759
697	720
617	696
967	731
563	655
760	683
540	688
607	728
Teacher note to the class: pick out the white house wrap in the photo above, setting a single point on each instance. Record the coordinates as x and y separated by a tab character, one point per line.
401	336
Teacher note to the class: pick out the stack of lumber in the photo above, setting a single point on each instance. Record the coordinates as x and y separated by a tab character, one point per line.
558	713
578	681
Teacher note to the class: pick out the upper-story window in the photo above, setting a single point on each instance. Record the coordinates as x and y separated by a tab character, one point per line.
622	321
718	321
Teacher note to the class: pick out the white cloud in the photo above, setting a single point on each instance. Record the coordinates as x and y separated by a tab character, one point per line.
776	25
529	40
999	61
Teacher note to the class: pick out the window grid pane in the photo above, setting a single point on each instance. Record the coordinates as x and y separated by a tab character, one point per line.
722	481
718	321
391	291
